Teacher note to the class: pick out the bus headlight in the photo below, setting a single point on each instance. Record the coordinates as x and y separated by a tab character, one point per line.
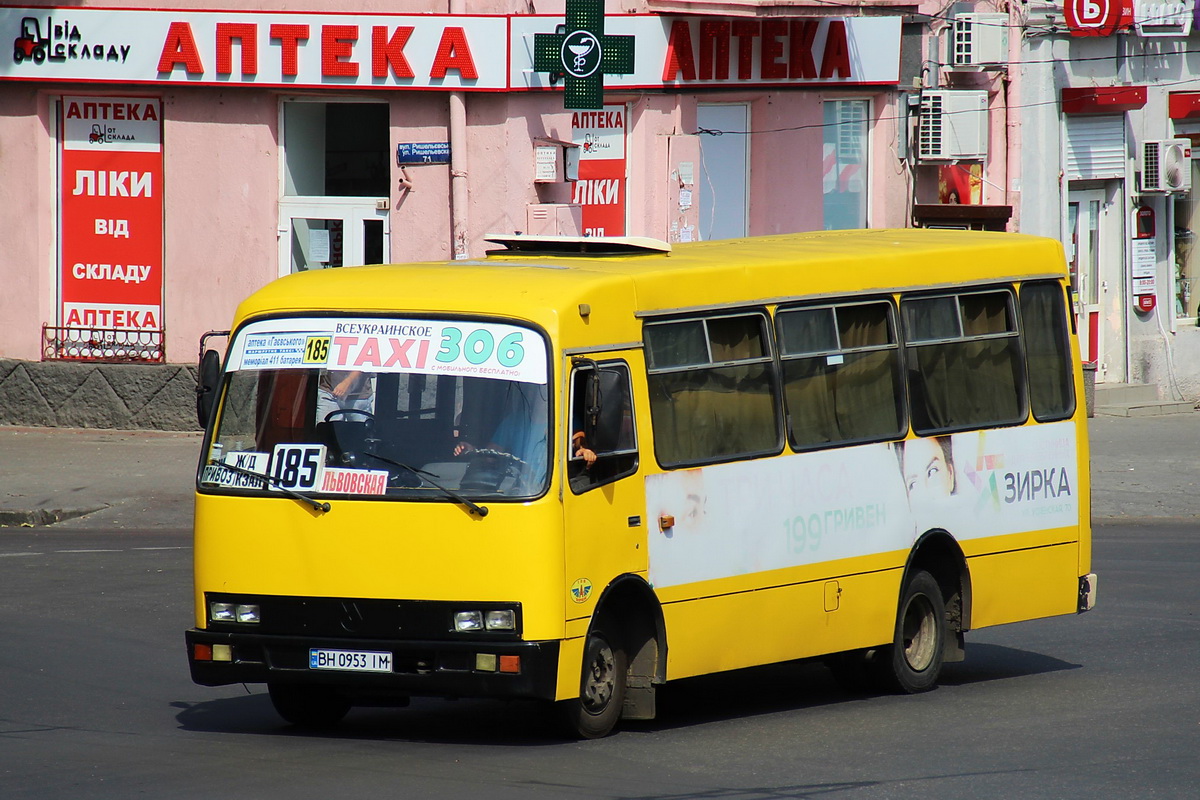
222	612
502	620
468	621
496	619
245	613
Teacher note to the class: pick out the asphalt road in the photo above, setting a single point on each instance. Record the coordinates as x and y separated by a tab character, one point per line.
95	702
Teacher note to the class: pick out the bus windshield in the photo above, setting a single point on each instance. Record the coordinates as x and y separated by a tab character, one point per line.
392	408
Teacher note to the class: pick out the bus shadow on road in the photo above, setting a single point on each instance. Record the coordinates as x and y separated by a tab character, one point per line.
741	694
990	662
432	720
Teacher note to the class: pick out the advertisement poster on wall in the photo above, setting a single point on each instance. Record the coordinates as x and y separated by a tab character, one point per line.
960	184
111	213
601	185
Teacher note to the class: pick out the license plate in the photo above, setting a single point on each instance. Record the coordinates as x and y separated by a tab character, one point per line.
350	660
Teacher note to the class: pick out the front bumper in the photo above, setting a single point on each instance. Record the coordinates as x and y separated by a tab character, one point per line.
421	668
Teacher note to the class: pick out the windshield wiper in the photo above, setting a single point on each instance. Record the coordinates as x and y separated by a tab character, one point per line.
482	511
319	505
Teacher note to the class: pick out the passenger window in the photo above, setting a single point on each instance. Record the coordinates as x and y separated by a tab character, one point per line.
841	374
603	435
713	390
964	361
1047	351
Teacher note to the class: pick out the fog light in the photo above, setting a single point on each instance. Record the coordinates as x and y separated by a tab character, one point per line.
222	612
485	662
222	652
468	621
501	620
248	614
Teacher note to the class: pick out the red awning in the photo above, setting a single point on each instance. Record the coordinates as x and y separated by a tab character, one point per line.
1183	105
1103	99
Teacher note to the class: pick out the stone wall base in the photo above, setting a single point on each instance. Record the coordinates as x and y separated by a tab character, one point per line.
65	394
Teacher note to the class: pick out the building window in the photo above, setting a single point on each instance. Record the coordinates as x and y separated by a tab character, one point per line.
1187	255
844	165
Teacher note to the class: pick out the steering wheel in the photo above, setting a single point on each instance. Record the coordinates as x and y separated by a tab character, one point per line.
345	452
487	469
345	411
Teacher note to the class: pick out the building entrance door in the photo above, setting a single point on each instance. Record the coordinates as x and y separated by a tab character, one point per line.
1094	238
334	209
331	232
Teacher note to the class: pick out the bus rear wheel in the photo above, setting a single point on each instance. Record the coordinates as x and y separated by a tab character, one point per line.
595	712
308	706
915	658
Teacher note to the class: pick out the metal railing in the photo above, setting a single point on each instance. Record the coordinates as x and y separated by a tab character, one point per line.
114	345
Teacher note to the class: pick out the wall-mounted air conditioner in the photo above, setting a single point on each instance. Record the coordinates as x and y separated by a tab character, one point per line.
952	125
1166	165
979	40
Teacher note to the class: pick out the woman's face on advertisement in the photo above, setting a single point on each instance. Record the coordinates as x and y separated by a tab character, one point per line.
926	473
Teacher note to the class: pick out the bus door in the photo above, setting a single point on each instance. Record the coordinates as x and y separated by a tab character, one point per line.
603	498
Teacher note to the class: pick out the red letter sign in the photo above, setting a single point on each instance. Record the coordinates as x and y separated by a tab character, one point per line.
1092	17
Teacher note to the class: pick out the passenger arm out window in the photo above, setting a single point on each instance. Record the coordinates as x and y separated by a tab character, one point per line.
603	446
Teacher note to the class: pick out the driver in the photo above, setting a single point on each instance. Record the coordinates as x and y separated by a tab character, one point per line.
344	390
521	433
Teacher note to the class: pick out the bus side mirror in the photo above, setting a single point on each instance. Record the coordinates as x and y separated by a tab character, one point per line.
612	387
207	383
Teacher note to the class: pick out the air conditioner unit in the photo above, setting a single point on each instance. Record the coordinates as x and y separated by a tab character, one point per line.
952	125
554	219
979	40
1167	165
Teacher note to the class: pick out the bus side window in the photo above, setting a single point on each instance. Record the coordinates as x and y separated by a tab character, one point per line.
601	424
714	393
1047	350
964	361
841	373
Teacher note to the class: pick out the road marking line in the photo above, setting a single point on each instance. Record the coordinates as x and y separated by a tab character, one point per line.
20	555
179	547
89	551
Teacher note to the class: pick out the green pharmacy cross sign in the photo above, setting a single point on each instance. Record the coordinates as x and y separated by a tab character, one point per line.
582	55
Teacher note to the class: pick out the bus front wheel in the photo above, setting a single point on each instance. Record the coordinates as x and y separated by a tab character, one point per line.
915	657
308	706
601	689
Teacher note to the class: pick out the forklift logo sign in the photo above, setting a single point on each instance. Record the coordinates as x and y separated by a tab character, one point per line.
40	41
581	54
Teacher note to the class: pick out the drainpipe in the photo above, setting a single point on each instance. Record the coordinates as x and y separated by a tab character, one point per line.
1012	81
458	160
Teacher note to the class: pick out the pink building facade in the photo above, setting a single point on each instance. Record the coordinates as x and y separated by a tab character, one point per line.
156	166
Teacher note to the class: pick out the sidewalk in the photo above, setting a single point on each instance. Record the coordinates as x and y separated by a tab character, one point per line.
1142	467
77	478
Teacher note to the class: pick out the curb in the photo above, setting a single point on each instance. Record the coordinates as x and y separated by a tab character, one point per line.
42	516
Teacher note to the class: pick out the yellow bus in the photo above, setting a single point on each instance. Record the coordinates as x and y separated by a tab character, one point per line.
577	469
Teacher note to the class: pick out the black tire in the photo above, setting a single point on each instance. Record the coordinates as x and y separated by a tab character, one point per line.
595	712
913	661
313	707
